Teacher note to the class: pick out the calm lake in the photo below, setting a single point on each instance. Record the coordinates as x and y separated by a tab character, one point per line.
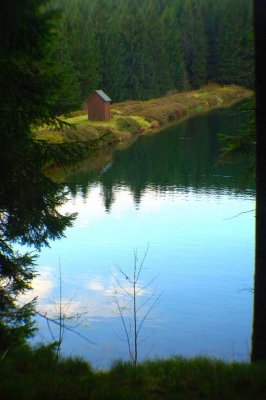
167	194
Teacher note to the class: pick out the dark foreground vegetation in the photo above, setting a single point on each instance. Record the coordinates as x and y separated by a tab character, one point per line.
28	374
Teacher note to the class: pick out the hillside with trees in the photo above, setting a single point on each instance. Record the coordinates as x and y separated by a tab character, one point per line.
136	49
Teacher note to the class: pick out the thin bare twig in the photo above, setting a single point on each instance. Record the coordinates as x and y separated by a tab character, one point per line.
67	328
62	318
135	321
237	215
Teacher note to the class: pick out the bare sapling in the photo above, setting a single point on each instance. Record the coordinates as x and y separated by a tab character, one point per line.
135	302
62	318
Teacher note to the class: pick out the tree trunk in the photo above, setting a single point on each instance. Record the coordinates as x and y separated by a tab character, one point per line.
259	318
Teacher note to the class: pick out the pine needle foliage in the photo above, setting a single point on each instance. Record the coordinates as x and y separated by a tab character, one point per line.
29	201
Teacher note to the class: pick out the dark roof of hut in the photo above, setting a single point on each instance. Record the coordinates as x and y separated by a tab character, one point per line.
103	95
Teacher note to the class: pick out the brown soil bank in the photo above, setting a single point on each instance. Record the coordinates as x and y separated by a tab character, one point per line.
131	119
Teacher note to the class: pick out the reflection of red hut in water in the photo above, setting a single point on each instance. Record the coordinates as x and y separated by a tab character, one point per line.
98	105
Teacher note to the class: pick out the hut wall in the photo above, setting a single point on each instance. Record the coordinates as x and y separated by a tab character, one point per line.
98	109
107	111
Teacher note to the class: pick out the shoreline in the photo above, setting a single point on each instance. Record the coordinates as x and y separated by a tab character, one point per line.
132	119
31	371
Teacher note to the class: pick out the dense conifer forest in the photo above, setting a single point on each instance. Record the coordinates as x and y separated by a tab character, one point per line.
139	49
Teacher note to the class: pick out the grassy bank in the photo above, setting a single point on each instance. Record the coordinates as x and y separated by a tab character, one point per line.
38	374
133	118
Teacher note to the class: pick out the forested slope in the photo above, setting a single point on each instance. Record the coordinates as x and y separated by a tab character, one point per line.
140	49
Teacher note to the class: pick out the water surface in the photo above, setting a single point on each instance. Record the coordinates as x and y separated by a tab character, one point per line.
166	192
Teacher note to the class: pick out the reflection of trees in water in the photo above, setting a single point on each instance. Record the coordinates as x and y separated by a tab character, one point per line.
183	158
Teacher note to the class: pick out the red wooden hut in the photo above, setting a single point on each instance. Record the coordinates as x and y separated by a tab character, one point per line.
99	106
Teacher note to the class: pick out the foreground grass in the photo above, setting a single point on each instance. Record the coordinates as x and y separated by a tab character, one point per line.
131	118
38	374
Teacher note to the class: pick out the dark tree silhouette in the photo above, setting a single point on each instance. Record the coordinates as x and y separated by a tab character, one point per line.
259	321
29	201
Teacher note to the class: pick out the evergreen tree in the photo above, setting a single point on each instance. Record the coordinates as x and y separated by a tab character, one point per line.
115	73
141	49
69	95
85	52
213	13
228	46
173	47
247	75
106	39
231	39
156	69
132	33
28	199
194	42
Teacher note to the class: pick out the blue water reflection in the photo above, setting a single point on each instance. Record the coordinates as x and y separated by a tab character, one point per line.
171	194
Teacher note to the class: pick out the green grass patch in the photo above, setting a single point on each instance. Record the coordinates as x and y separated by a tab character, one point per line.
28	374
132	118
83	120
50	136
128	124
76	119
170	108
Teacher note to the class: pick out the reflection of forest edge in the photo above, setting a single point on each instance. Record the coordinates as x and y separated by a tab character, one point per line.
183	158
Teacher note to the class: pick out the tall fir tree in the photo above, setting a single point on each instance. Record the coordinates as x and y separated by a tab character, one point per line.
156	68
194	42
28	199
229	39
114	70
173	46
69	94
132	41
85	52
247	76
